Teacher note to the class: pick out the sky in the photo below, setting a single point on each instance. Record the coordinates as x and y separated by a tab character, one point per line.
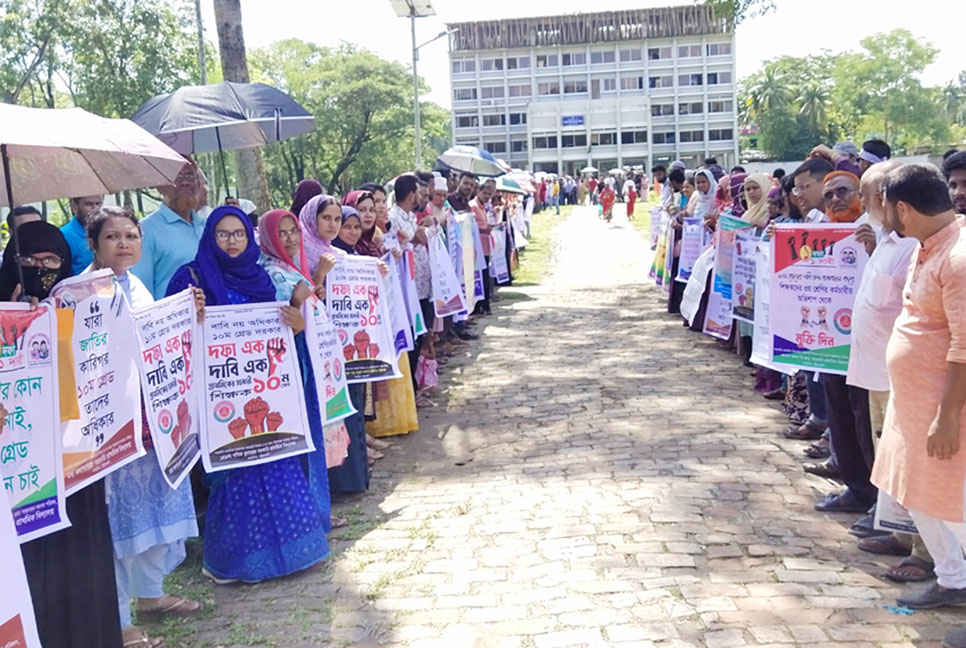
795	28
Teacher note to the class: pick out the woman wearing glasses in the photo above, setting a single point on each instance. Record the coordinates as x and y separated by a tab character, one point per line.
262	521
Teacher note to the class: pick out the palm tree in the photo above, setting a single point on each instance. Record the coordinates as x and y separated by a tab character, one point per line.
768	92
814	107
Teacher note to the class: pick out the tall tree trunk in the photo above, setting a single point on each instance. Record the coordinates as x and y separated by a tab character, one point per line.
252	183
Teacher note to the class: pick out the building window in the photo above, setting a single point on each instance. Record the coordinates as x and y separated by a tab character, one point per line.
632	83
609	85
692	136
719	106
495	147
665	81
575	86
464	65
603	139
658	53
685	80
517	62
520	90
490	64
547	60
518	118
689	51
662	110
631	55
664	138
518	146
634	137
718	78
720	134
597	58
549	88
464	94
549	142
719	49
494	120
692	108
573	141
467	121
491	92
574	58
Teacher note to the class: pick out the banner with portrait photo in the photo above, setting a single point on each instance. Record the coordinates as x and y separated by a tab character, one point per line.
30	455
328	363
18	625
254	408
108	433
743	275
816	270
695	238
718	319
168	331
357	307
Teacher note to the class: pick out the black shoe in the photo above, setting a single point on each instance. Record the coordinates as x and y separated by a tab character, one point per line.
466	335
933	597
843	503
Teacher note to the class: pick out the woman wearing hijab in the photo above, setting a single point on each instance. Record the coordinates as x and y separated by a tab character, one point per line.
737	191
150	521
70	572
723	194
305	191
755	189
320	220
262	521
365	204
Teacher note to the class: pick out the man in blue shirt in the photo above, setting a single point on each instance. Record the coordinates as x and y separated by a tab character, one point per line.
75	231
170	235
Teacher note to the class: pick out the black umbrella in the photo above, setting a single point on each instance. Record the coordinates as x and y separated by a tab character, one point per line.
223	116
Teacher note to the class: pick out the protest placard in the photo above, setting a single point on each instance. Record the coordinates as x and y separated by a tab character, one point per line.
254	409
655	228
402	333
327	363
498	266
891	516
761	337
695	237
30	420
407	279
447	294
108	433
167	332
660	253
357	308
18	625
743	275
718	319
815	272
668	276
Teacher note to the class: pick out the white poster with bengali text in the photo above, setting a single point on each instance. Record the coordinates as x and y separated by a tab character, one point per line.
30	455
498	265
402	333
447	294
328	363
761	337
407	279
104	343
168	331
254	407
18	625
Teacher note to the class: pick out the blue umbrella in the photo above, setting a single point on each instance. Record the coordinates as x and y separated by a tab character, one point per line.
471	159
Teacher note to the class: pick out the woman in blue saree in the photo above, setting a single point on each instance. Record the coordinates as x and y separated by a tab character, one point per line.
262	521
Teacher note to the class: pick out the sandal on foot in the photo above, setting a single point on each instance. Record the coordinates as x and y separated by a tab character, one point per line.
136	638
886	545
375	443
169	604
337	522
217	580
422	402
817	451
807	432
375	454
822	470
911	570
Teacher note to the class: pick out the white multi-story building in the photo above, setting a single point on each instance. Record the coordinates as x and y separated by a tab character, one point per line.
609	89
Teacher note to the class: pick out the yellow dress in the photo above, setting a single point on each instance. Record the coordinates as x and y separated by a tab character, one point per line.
397	413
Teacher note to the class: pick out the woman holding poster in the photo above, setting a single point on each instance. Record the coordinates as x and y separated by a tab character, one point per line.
70	572
149	520
285	262
262	520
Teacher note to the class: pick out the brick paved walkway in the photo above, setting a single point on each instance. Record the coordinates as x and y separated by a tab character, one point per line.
595	475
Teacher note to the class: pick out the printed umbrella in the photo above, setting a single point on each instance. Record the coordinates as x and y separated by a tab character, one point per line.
507	184
53	153
222	117
471	159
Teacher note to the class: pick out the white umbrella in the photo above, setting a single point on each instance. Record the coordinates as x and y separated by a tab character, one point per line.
471	159
589	169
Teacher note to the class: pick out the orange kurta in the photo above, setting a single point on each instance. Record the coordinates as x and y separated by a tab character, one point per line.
930	331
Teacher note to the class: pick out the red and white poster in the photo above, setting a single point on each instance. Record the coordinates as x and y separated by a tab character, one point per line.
18	627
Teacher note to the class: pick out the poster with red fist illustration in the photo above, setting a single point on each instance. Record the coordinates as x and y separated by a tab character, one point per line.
358	310
254	408
167	331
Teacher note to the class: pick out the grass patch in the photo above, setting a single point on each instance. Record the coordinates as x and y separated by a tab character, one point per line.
642	216
535	259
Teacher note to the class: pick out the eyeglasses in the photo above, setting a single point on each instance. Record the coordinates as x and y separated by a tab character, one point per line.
841	193
51	263
238	235
289	234
798	191
188	175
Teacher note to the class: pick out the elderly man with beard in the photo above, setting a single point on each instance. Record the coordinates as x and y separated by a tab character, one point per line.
171	234
849	421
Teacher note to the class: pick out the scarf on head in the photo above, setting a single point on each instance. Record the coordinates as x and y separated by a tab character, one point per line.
314	245
703	205
305	191
347	213
271	242
723	193
736	184
367	245
757	213
35	236
218	273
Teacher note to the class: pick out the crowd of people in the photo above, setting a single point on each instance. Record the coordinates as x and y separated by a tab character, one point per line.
588	189
895	422
128	530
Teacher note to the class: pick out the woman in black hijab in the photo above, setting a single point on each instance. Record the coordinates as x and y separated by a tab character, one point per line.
70	572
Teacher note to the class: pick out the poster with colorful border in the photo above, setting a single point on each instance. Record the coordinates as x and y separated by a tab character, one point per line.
30	420
18	625
396	307
668	276
695	238
254	408
328	364
447	294
718	319
761	337
816	270
743	275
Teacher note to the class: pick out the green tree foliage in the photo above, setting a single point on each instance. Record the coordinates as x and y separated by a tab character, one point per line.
363	111
874	92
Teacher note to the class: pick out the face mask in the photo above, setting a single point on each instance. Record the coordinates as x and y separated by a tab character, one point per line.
39	281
